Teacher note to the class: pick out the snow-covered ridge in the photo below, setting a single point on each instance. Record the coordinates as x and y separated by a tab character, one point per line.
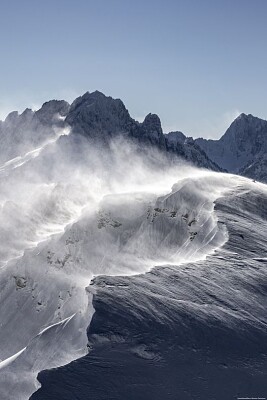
128	219
76	206
201	326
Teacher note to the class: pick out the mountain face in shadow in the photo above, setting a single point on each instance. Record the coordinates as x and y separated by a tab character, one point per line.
242	148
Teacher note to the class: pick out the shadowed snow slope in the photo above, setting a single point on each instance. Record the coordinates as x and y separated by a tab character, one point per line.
193	331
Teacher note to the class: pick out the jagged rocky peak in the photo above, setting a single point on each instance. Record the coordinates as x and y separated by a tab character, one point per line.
24	119
15	119
20	133
243	142
95	114
27	113
245	125
52	111
248	135
152	125
12	117
150	131
245	117
89	99
241	117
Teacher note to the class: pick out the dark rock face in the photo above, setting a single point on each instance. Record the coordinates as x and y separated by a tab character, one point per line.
151	130
152	125
50	111
244	142
99	117
187	148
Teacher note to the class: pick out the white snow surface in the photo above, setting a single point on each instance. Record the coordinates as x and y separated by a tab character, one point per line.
62	224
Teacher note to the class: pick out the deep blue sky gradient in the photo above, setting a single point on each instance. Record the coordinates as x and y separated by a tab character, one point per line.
196	63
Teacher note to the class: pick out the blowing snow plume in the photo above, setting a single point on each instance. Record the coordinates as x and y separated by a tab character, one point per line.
76	210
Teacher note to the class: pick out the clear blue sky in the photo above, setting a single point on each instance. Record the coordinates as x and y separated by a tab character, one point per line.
196	63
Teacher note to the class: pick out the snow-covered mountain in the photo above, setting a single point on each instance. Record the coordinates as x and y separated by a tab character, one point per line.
195	330
97	118
126	271
242	149
100	118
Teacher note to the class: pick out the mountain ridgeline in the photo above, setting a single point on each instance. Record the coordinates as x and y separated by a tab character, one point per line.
241	150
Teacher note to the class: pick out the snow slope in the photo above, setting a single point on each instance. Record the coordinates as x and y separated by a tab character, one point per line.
96	193
60	229
194	331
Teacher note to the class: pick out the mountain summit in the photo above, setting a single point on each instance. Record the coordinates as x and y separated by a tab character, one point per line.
127	260
244	142
97	116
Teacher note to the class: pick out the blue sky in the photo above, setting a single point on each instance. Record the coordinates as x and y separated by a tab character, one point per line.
196	63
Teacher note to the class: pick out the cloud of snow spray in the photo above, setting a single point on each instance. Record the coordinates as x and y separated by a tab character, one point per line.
47	188
71	210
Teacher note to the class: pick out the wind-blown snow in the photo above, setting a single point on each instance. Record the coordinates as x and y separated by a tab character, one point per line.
66	221
30	155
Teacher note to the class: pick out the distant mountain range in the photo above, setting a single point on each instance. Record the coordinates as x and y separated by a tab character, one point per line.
241	150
